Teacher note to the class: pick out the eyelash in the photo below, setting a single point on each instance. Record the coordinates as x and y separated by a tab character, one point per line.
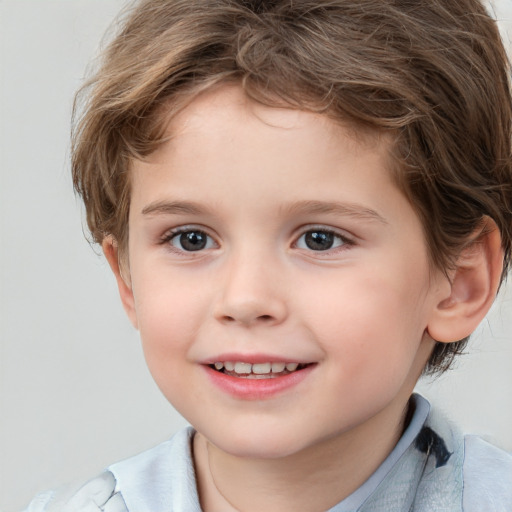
342	241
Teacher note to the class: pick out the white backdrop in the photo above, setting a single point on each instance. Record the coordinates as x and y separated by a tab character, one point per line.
74	391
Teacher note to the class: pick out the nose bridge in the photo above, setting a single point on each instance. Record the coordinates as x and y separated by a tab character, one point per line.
251	289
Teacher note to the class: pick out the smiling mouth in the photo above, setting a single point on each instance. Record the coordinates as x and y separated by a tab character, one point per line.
257	370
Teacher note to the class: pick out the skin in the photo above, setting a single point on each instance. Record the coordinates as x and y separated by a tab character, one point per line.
260	179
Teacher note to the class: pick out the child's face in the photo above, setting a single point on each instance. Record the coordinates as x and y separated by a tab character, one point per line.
261	235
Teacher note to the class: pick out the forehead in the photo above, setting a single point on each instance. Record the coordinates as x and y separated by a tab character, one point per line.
225	141
230	103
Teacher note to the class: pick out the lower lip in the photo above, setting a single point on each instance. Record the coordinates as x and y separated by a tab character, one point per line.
256	389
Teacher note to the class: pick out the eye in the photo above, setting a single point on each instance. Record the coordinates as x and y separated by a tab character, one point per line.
191	240
321	240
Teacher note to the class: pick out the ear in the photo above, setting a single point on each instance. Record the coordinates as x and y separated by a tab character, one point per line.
473	288
111	251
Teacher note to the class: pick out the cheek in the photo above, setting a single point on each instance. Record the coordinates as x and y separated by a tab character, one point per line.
371	325
166	326
168	315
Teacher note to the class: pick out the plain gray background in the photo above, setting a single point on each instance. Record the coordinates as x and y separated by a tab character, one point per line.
74	391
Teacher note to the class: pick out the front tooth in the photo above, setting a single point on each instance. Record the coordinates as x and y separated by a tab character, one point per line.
219	366
291	367
230	366
261	368
278	367
243	367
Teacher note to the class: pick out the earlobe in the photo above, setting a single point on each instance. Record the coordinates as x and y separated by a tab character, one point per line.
110	249
473	288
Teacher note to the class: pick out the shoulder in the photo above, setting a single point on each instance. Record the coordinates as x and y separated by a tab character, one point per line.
157	480
468	473
98	494
487	473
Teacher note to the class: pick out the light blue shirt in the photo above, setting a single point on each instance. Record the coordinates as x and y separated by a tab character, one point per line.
433	468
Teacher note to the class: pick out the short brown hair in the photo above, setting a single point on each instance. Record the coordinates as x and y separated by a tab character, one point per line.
432	73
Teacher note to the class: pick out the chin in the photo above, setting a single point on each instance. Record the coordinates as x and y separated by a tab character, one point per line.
257	442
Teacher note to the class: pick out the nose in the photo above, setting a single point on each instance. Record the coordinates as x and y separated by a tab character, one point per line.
252	293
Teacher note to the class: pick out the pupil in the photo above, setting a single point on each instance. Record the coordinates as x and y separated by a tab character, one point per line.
193	241
319	240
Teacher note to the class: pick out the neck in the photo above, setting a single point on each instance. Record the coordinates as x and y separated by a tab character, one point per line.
315	478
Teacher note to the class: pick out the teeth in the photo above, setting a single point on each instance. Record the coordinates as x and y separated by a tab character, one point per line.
278	367
243	367
261	368
256	369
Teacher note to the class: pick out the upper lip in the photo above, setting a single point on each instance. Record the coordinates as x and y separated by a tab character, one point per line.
253	358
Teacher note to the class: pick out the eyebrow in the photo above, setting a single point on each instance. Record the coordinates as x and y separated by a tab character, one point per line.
300	207
174	208
331	207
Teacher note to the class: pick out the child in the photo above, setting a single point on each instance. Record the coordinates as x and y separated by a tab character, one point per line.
306	205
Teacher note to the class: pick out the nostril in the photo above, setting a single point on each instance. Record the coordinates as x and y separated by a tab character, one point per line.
260	318
249	312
